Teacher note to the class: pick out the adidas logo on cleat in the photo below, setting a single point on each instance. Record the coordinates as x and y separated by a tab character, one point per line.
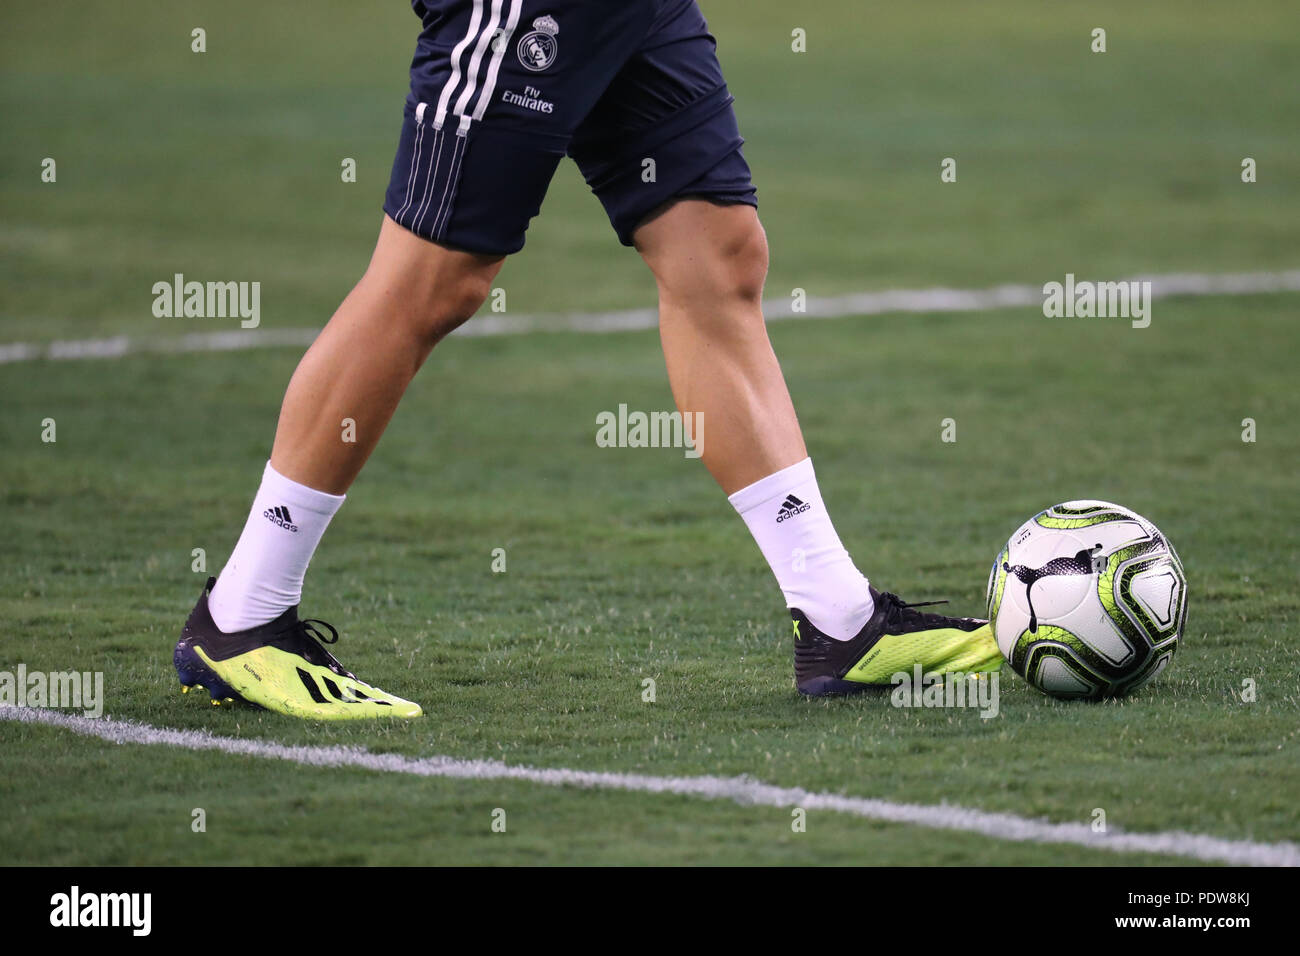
790	507
279	515
357	697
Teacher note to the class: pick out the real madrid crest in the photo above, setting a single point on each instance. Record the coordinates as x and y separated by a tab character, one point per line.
536	50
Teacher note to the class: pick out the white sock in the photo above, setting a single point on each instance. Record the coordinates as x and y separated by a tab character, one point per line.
788	520
263	577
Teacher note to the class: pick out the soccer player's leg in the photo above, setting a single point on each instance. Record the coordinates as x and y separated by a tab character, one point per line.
694	223
459	200
244	640
709	261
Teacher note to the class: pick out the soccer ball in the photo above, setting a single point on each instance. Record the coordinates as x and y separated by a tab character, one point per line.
1087	600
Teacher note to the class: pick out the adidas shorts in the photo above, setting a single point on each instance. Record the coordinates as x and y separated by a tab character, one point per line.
501	90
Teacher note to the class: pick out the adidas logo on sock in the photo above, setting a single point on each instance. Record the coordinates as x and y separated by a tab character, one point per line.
280	515
790	507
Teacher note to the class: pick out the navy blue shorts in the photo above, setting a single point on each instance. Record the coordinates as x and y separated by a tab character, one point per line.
501	90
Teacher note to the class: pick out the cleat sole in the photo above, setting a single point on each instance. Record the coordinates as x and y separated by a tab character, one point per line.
832	687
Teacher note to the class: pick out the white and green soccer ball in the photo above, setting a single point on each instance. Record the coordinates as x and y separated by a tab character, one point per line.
1087	600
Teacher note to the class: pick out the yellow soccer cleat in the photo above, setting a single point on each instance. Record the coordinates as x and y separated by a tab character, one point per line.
282	666
895	639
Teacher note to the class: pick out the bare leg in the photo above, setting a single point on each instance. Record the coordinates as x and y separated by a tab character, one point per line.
710	262
413	293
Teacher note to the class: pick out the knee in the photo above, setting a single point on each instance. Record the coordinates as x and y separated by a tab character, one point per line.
728	266
743	265
437	306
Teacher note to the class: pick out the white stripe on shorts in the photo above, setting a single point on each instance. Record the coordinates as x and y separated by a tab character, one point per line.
453	81
449	190
415	162
435	160
489	86
475	61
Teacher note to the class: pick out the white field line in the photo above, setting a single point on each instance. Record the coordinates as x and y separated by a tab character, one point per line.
742	790
854	304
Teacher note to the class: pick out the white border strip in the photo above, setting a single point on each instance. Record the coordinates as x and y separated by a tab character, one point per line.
742	790
855	304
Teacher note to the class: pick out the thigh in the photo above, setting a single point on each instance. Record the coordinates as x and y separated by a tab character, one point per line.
497	89
664	127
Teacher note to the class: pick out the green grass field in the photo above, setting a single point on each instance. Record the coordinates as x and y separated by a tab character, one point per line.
625	564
